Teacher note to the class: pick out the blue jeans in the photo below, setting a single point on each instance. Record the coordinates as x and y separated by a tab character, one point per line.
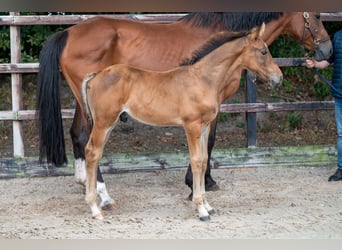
338	117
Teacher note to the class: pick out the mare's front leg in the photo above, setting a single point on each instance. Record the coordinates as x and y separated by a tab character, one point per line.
210	184
197	137
79	137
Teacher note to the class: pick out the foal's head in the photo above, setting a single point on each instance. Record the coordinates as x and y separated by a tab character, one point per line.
257	58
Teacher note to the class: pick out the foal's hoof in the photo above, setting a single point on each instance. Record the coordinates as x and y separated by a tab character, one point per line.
98	216
204	218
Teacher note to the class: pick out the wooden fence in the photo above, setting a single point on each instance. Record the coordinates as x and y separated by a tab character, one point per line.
16	69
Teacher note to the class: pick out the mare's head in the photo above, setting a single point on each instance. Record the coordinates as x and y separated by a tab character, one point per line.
308	29
257	58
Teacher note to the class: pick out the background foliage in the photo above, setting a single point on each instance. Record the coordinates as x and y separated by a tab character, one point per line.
32	39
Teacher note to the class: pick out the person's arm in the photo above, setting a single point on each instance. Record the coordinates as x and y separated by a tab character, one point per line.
310	63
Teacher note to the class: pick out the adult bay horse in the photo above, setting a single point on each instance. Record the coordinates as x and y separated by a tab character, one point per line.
99	42
187	96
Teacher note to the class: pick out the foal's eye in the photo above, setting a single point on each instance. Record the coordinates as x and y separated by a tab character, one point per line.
264	52
318	16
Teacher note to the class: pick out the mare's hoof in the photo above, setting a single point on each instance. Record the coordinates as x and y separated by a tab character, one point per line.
190	197
205	218
212	211
108	206
213	187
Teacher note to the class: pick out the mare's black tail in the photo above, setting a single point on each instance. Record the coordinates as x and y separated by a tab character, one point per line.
48	107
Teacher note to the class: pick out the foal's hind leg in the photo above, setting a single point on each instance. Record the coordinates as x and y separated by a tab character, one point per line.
80	136
93	153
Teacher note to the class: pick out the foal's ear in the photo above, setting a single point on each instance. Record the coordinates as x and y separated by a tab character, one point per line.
257	32
261	30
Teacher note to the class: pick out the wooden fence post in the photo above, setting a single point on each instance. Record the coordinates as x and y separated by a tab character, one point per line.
18	143
251	116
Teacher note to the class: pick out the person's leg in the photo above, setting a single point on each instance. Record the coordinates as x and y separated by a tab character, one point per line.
337	176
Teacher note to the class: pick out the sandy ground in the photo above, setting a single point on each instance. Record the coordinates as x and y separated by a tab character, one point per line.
263	202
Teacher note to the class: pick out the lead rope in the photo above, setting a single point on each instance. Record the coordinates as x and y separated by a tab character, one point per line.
327	82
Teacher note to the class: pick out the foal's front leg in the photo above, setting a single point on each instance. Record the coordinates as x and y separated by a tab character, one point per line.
197	137
210	183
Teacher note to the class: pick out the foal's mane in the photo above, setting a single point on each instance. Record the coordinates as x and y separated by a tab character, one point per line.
230	21
218	40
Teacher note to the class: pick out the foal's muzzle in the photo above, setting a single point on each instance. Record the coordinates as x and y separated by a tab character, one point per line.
276	80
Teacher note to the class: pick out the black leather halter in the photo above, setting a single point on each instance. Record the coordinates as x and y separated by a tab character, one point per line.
307	26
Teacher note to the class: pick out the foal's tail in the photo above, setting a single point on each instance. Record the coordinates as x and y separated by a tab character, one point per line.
48	106
87	111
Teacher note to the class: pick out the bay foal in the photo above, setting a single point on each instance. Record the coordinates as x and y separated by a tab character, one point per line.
188	96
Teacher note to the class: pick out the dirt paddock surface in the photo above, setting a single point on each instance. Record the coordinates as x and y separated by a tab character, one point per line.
262	202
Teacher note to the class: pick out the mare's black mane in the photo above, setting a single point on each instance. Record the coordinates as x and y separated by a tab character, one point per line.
230	21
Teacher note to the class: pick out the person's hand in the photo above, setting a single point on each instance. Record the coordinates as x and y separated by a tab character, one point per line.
310	63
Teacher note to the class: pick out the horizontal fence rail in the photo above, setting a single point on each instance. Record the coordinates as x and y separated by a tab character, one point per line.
23	115
73	19
15	68
34	67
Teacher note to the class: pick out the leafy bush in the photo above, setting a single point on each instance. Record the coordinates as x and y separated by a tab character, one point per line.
294	120
4	45
32	39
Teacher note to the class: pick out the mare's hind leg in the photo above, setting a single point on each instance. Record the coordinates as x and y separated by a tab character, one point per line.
210	184
80	136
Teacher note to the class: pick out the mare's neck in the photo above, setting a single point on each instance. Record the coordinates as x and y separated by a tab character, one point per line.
278	27
221	63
